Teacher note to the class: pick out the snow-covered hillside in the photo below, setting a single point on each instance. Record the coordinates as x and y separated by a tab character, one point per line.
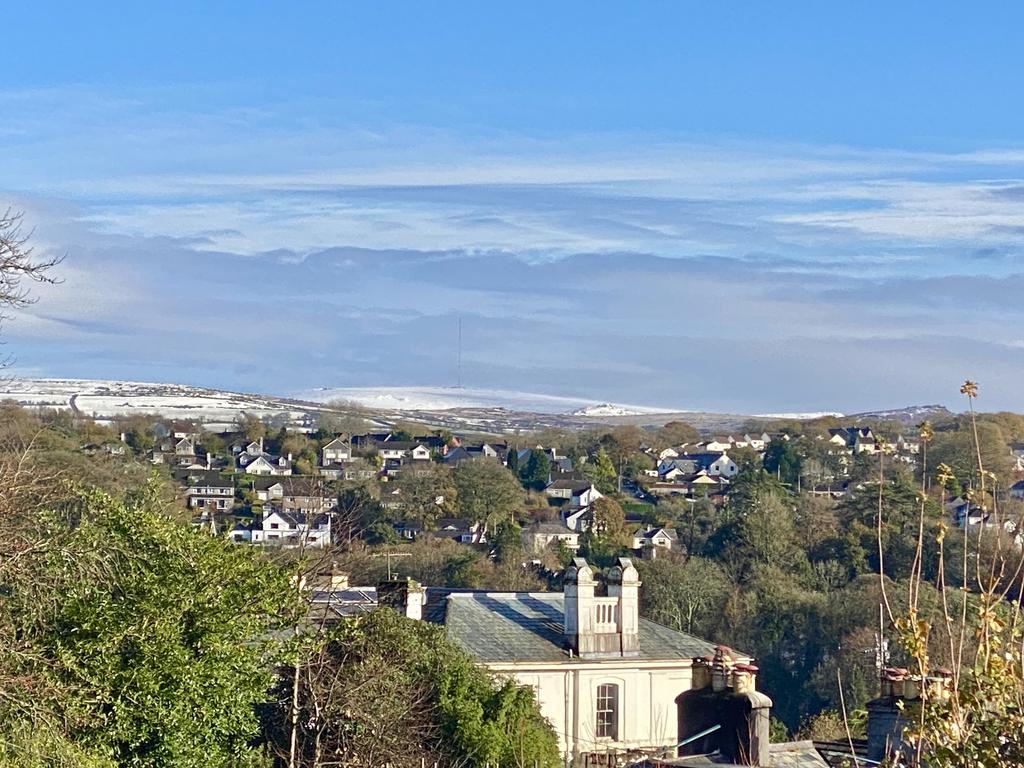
447	398
107	399
798	416
608	409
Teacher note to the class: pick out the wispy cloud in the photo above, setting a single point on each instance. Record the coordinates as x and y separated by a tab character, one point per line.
258	249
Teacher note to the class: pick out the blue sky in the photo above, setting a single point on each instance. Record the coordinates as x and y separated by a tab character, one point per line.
723	206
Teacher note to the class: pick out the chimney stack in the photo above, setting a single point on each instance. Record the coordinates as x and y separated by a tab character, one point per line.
624	584
578	586
725	694
891	713
404	595
598	626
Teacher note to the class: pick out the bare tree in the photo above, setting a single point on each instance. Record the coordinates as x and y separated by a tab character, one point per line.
18	265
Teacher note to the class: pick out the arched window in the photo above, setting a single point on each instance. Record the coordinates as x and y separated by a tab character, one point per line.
608	711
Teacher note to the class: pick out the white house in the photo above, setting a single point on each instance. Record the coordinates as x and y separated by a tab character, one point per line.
718	444
723	466
584	496
292	529
757	443
265	464
608	681
579	493
539	536
691	464
856	439
573	518
657	538
395	449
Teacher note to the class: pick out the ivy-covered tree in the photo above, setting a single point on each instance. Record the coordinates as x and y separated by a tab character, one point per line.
149	643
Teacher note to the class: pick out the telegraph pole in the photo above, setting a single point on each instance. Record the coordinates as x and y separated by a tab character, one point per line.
389	554
459	363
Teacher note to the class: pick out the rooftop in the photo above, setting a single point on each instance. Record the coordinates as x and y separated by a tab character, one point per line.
528	626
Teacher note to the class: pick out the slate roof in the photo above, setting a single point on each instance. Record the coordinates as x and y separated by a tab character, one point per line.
569	484
210	478
649	533
548	527
457	455
789	754
527	626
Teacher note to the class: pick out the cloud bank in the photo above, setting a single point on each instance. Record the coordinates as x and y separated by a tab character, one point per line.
259	251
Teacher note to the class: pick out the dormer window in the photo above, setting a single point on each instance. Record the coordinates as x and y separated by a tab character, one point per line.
607	719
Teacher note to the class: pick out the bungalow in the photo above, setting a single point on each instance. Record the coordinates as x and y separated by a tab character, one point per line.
370	439
700	483
457	529
668	489
457	457
402	449
964	513
718	444
758	443
712	463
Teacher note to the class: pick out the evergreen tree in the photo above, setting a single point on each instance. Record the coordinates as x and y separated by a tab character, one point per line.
537	471
512	461
601	472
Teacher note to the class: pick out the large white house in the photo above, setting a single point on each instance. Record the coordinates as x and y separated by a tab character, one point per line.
607	680
288	529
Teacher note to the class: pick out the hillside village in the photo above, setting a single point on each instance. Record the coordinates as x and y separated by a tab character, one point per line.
257	492
590	567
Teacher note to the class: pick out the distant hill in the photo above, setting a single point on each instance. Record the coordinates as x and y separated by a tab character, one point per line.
913	414
104	400
455	409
